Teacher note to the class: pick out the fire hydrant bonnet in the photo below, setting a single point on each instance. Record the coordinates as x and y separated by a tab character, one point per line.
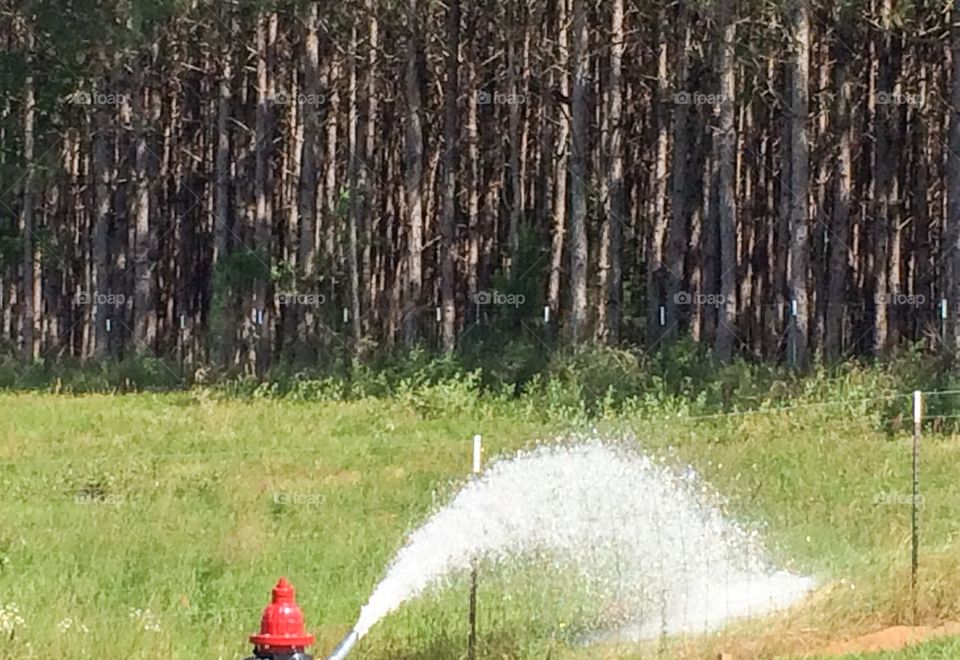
282	626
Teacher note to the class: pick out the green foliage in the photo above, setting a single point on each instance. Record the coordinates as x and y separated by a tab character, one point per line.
575	385
240	269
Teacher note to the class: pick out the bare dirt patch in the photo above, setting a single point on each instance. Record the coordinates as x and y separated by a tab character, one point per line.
893	638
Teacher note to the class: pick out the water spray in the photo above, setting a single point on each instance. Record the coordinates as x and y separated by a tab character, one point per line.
647	535
347	643
345	646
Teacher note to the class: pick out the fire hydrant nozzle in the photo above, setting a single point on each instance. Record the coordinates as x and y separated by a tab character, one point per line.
282	634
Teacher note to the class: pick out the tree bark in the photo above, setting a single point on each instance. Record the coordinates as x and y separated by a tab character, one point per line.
413	175
952	248
448	221
842	188
578	174
799	175
144	320
31	257
559	204
353	212
726	318
611	273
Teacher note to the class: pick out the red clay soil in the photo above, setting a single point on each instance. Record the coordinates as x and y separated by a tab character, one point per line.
890	639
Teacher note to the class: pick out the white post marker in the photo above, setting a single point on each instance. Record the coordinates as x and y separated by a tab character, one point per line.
472	613
109	325
346	315
915	504
183	322
663	315
438	315
476	453
943	308
546	315
793	308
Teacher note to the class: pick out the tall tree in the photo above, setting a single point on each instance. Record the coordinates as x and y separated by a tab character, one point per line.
559	205
413	180
951	248
614	194
448	220
353	211
579	173
144	308
839	236
799	182
309	169
682	184
103	175
31	260
726	319
263	179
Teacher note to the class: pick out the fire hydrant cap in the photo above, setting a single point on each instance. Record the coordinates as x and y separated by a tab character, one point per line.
282	623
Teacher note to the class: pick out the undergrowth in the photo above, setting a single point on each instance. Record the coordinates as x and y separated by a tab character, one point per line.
585	383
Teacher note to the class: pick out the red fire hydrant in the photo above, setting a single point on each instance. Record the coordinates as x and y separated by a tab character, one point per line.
282	635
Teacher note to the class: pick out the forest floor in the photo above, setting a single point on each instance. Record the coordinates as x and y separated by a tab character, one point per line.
154	525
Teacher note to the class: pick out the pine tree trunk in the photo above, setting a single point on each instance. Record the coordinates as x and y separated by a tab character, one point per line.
578	174
559	204
682	186
370	184
353	212
726	318
842	188
611	282
951	249
31	256
448	221
413	175
102	174
263	190
799	183
144	320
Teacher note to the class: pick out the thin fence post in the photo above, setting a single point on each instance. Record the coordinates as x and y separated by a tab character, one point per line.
472	639
914	500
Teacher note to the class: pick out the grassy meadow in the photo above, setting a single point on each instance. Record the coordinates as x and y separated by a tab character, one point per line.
149	525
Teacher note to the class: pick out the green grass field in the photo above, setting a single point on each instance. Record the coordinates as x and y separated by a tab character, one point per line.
154	525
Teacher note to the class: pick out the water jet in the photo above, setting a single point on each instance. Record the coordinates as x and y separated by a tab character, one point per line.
649	536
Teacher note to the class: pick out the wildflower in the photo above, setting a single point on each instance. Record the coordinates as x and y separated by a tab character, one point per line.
69	623
10	619
147	619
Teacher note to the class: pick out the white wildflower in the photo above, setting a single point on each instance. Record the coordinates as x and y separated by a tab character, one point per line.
10	619
147	619
70	623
